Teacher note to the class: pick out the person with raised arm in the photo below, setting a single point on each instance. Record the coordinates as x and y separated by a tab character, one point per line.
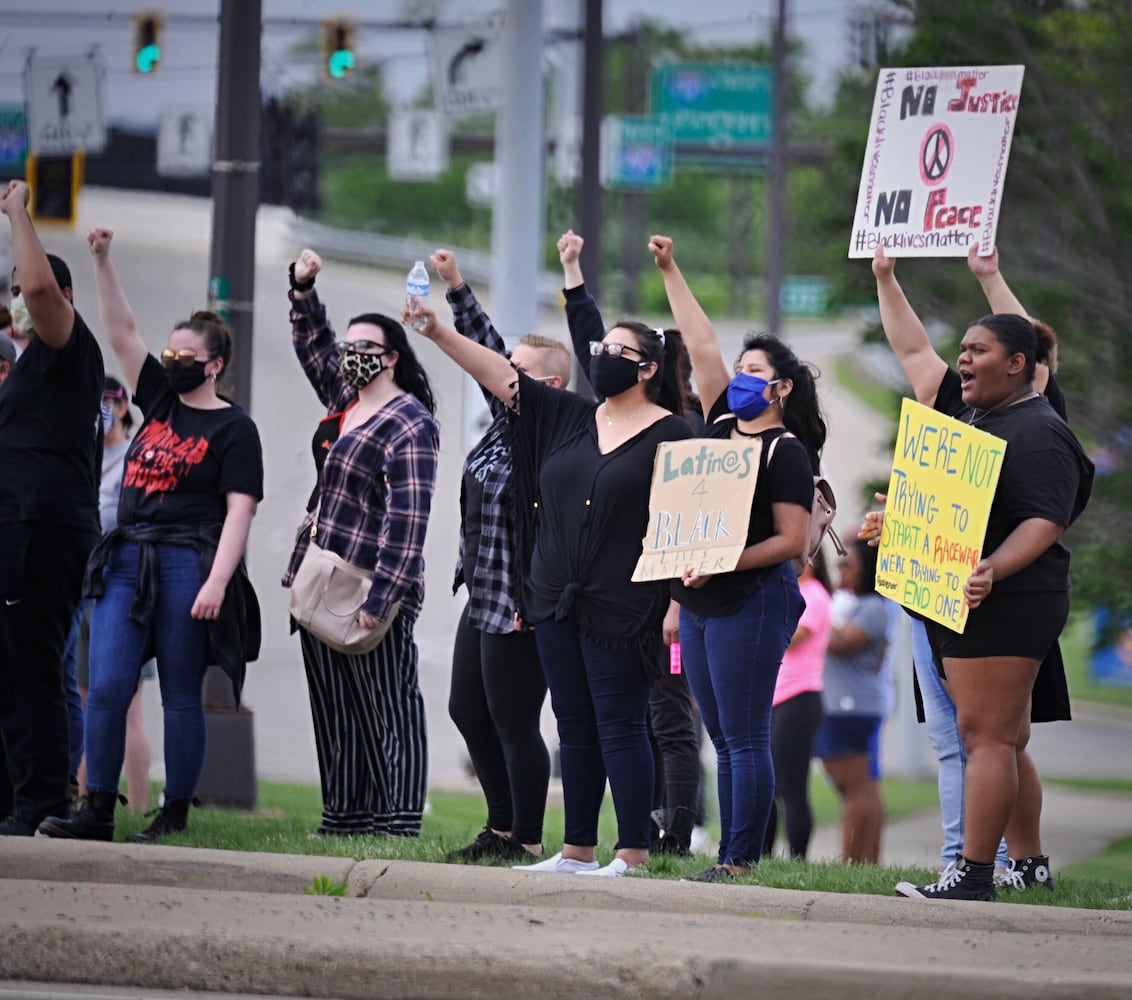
170	579
1018	591
582	476
733	628
50	446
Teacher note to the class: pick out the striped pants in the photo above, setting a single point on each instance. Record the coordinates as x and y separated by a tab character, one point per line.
369	730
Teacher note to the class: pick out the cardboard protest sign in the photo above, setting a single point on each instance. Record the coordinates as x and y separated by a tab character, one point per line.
944	475
935	162
699	507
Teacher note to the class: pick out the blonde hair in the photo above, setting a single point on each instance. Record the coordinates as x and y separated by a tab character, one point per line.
554	356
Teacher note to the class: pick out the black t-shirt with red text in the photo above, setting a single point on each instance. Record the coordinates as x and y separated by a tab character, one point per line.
184	461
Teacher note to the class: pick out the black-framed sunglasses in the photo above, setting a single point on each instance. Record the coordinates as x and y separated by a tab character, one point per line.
183	357
363	347
614	350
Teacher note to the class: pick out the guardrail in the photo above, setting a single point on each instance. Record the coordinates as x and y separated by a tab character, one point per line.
399	252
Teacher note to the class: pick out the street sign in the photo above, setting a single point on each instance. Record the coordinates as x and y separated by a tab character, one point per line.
184	142
468	65
636	153
804	295
480	184
13	139
717	106
418	145
64	102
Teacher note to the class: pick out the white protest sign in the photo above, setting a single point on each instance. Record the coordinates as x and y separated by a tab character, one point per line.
935	162
699	507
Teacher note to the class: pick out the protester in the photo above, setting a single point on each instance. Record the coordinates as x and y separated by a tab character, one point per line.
1017	593
170	578
797	712
853	699
584	469
49	442
934	704
734	627
673	724
376	452
117	420
498	686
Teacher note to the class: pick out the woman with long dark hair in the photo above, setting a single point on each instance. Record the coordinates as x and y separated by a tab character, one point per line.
376	454
582	474
734	627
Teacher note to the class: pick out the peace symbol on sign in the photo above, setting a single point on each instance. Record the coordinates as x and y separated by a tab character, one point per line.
935	154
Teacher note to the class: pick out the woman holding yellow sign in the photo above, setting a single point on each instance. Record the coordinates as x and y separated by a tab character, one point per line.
1018	592
734	627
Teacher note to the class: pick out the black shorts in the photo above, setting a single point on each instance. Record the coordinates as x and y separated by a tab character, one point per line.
1005	624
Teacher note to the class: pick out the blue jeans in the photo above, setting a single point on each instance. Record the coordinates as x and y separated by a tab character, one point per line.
951	755
71	687
118	648
732	664
600	698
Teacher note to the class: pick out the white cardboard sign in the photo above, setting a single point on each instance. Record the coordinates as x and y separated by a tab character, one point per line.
935	162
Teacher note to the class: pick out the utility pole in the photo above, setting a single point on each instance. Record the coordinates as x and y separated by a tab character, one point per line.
229	776
776	216
589	200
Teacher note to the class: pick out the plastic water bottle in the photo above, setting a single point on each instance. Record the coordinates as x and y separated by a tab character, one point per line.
416	293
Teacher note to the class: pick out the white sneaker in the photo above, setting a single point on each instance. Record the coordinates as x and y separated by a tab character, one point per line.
559	865
701	841
615	869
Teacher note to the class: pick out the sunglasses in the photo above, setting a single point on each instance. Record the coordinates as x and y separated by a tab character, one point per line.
362	347
184	358
613	350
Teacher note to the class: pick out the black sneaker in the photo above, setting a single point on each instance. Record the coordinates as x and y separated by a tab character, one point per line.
14	826
1026	873
489	846
963	880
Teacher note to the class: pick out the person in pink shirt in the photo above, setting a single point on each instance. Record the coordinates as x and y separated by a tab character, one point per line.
797	712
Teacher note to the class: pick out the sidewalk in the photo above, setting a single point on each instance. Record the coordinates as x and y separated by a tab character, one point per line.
172	918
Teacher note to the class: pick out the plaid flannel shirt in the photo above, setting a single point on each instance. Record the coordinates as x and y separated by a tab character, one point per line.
491	600
378	480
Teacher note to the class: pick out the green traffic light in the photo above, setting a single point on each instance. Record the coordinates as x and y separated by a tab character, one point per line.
147	58
340	63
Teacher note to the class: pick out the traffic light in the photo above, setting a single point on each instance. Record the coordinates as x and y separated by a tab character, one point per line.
337	48
55	183
147	42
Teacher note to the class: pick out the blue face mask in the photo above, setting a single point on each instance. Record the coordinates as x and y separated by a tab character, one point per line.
107	417
746	395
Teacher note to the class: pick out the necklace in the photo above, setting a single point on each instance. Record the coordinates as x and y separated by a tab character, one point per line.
978	415
610	421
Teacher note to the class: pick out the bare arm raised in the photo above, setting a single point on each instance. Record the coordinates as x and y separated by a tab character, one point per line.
711	371
909	341
51	313
114	311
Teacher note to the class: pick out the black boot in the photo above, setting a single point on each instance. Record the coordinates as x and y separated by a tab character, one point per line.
172	817
93	820
677	837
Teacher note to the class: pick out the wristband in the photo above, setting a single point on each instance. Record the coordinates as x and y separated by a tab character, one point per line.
299	286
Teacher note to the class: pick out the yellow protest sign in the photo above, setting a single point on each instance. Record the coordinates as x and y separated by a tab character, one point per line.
699	507
944	475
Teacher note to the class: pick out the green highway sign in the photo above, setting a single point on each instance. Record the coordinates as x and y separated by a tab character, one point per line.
804	295
636	153
721	107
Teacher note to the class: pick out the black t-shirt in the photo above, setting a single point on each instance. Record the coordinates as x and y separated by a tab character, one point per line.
592	516
51	433
183	461
1045	473
790	479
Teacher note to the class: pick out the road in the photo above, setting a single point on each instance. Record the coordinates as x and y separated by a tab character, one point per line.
161	251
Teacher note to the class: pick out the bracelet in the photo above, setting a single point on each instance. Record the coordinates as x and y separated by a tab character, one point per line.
299	286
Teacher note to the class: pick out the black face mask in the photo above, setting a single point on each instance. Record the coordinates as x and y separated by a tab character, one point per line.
612	376
186	378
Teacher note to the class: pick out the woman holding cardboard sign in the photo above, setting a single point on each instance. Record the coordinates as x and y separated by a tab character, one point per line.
734	627
584	470
1017	593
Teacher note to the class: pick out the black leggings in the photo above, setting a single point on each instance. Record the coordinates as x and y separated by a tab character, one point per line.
793	725
496	699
